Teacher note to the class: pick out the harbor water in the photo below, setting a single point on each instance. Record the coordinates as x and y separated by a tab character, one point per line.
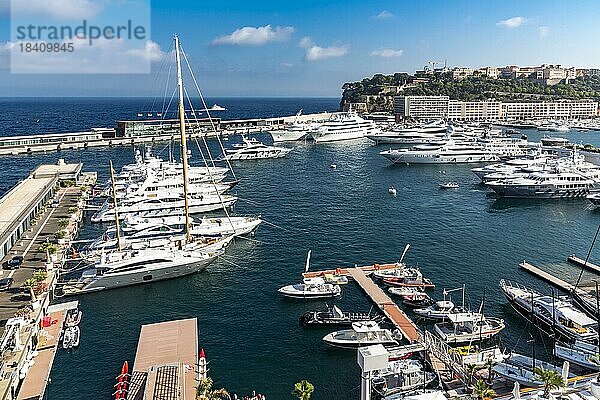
345	215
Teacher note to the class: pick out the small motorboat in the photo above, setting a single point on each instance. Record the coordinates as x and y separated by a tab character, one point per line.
418	300
311	288
335	279
438	310
413	280
71	337
449	185
335	316
366	333
467	327
404	291
73	317
333	166
392	190
401	376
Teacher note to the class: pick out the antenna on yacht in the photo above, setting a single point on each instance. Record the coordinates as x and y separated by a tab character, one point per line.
404	253
114	192
183	138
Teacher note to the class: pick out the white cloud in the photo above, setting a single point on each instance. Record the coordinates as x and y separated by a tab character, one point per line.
513	22
383	15
59	9
305	42
151	52
256	36
314	52
543	31
386	53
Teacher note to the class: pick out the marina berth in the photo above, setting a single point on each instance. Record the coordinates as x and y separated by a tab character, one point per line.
550	313
252	149
343	126
363	334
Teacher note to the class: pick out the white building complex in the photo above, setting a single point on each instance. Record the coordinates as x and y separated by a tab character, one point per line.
432	107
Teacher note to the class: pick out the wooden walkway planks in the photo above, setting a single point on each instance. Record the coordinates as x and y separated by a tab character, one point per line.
548	277
346	271
573	259
383	301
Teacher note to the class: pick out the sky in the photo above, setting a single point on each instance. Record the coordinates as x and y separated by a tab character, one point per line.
310	48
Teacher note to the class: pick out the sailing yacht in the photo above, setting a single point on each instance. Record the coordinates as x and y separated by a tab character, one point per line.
130	267
343	126
214	226
167	205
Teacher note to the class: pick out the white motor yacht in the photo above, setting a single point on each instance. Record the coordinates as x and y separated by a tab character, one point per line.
550	313
126	268
520	368
343	126
467	327
448	153
293	132
433	132
311	288
584	354
363	334
252	149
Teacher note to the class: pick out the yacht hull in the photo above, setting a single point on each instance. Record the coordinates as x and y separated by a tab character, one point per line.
158	272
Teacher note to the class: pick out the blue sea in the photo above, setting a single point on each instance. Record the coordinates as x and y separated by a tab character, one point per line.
250	333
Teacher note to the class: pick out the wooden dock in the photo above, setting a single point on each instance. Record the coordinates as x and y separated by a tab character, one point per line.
573	259
166	361
367	269
548	277
387	305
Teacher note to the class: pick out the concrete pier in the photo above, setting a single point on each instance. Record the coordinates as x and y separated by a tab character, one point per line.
166	361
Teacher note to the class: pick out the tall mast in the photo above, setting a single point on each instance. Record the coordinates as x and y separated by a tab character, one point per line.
114	192
183	139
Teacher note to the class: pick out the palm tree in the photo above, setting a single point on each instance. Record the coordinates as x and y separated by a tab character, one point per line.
303	390
471	369
206	392
489	364
550	378
483	391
